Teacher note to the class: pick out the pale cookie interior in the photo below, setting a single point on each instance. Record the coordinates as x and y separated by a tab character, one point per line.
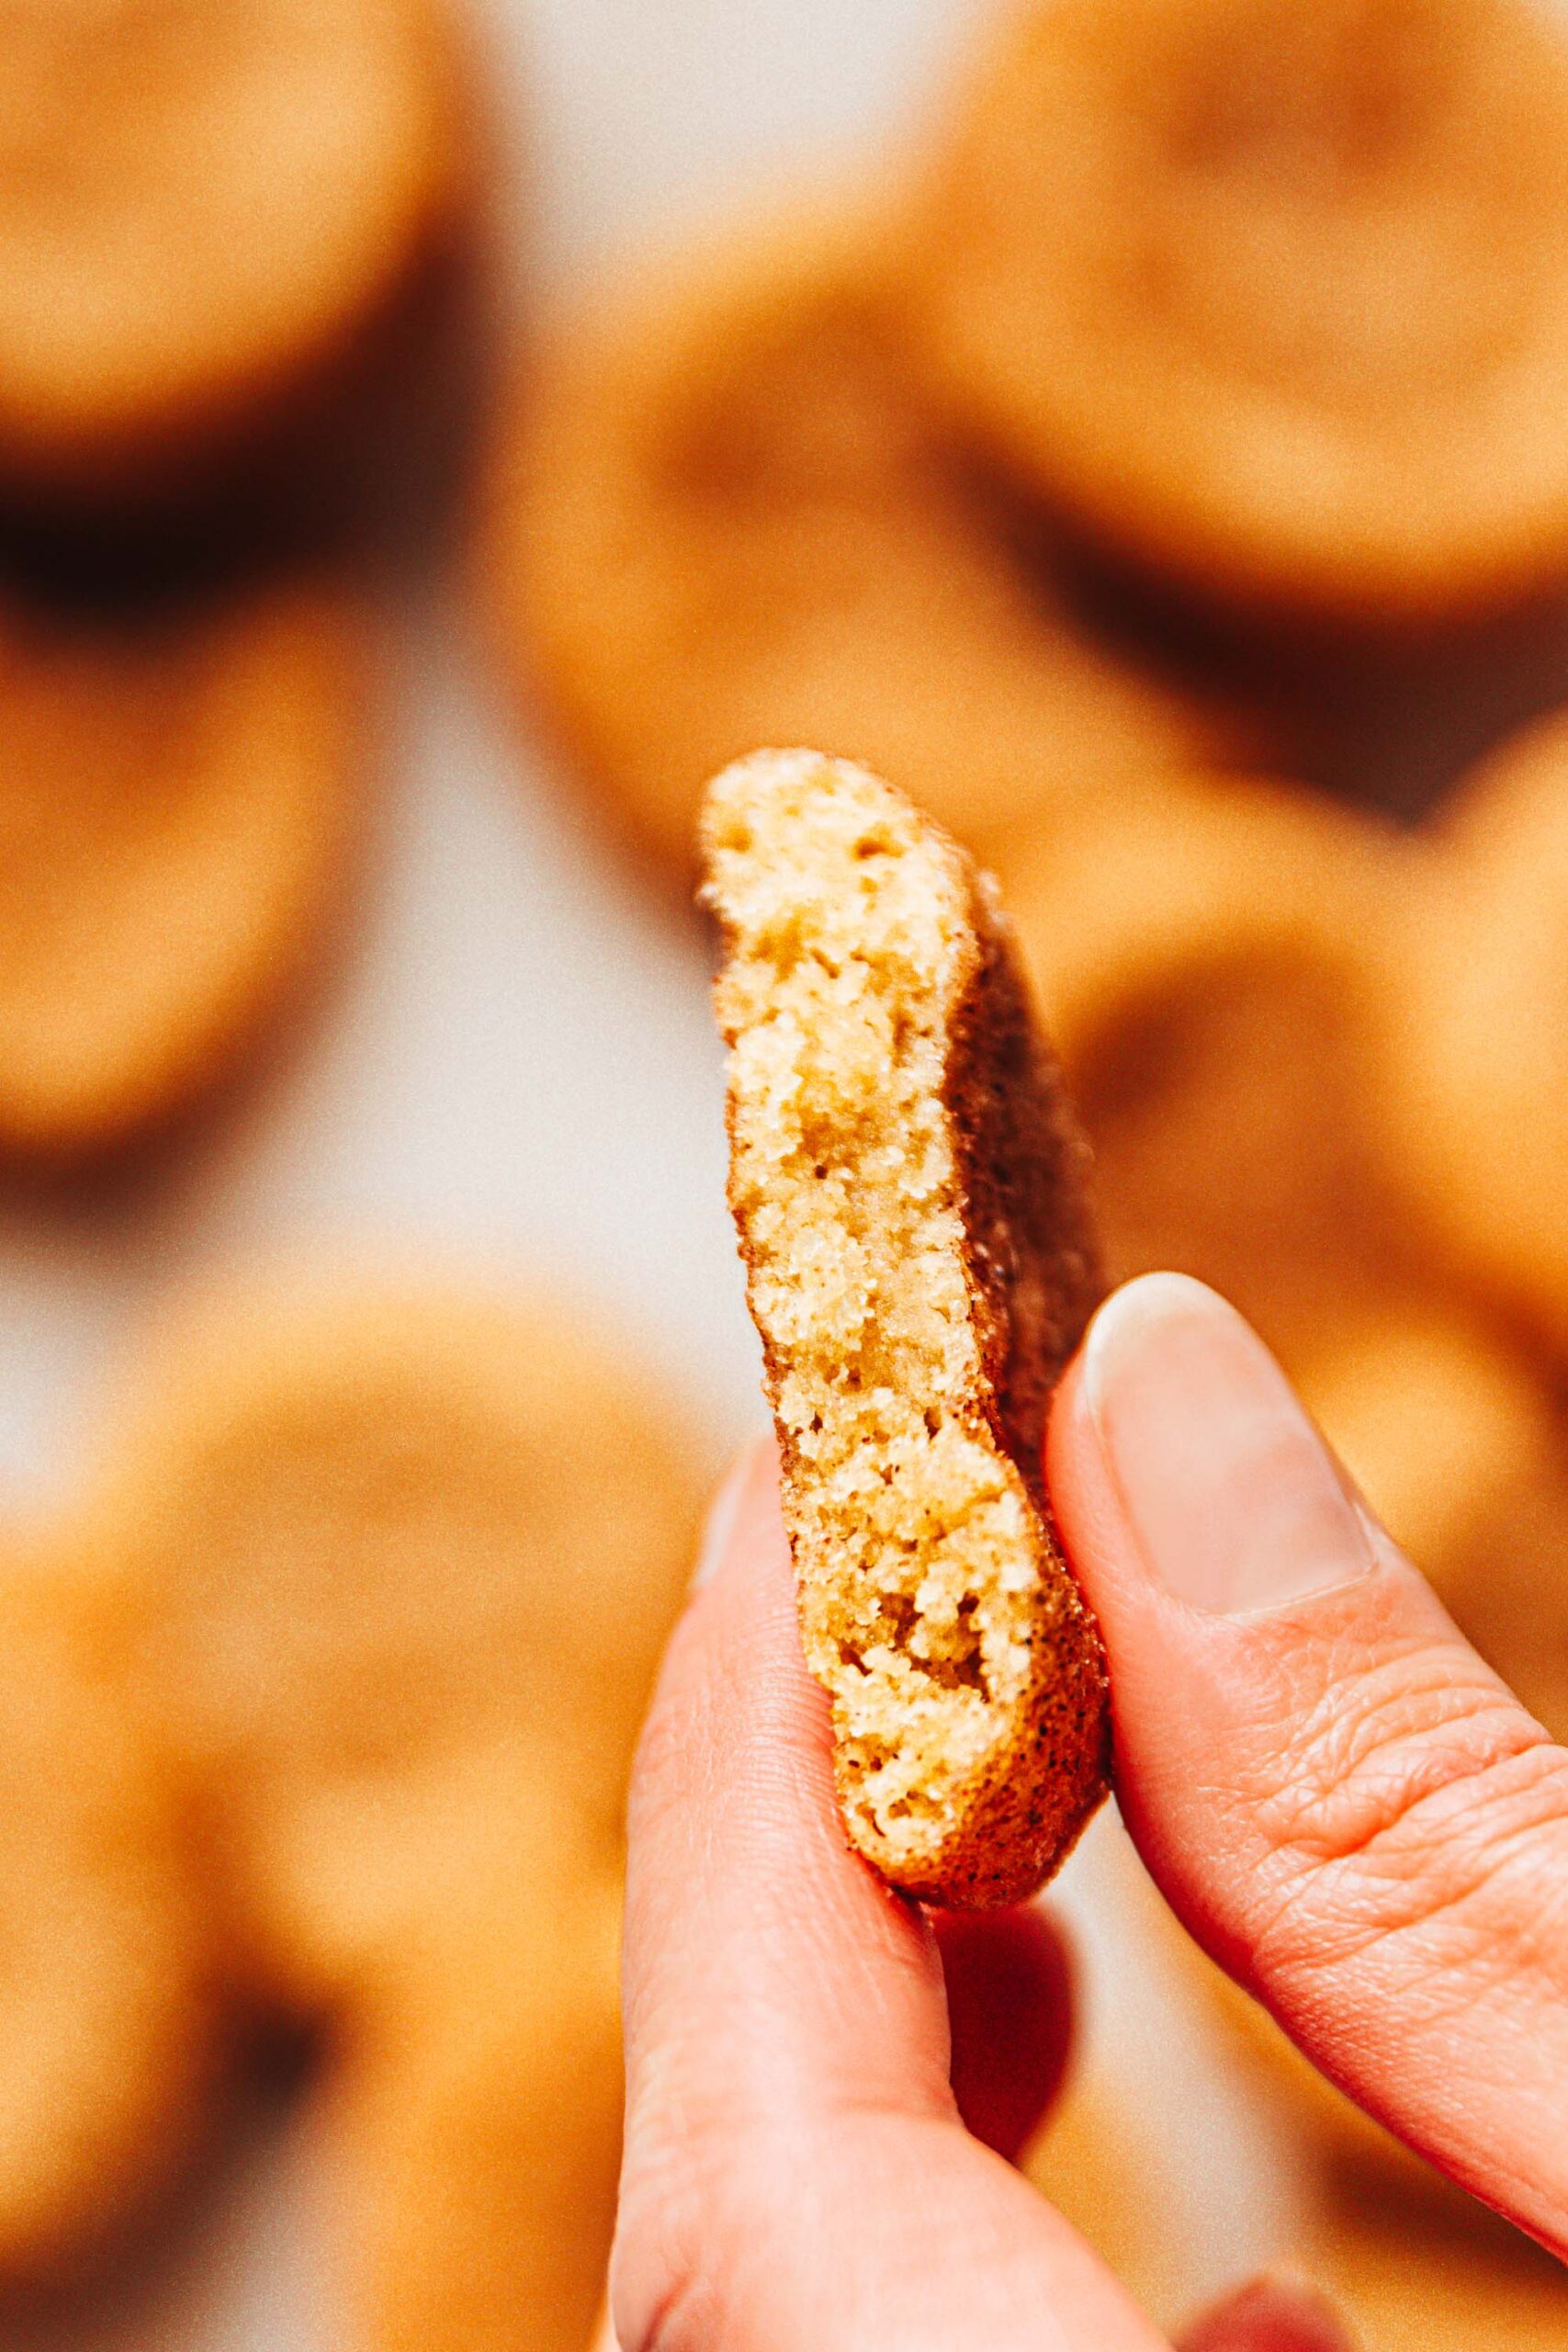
918	1547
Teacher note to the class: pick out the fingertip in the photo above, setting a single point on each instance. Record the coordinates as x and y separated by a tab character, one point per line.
743	1897
1273	2314
743	1517
1227	1500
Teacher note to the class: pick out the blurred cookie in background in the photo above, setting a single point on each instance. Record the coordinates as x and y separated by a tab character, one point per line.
375	1867
468	2133
1473	1085
721	518
1402	2290
108	2051
202	206
1460	1448
353	1539
1274	302
1201	961
180	797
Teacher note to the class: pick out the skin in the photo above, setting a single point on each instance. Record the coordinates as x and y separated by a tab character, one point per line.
1338	1798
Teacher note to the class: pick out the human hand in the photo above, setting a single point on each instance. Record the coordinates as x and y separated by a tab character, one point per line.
1343	1804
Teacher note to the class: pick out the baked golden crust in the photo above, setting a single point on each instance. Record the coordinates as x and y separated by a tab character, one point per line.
178	802
1273	302
908	1187
199	211
722	518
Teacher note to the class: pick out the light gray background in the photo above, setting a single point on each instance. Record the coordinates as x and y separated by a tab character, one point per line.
517	1065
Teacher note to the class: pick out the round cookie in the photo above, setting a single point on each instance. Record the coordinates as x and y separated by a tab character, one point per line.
178	799
908	1187
200	206
354	1874
723	519
1436	2290
1273	302
107	2042
1457	1446
470	2132
1476	1081
360	1538
1206	969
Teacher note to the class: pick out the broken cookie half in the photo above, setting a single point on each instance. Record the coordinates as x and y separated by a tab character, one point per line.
909	1188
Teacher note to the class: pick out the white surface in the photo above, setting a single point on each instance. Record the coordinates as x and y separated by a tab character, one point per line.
519	1062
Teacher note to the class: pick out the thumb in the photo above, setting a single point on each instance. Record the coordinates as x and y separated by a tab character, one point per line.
1343	1804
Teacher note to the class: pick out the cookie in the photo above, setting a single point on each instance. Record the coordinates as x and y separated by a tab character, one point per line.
1403	2290
177	804
358	1537
358	1875
723	519
107	2048
1207	967
1472	1084
200	208
1274	303
1455	1443
469	2135
907	1181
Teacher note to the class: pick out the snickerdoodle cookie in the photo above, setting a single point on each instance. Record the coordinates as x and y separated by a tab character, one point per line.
1472	2280
1474	1087
908	1185
725	518
1456	1442
1273	300
178	799
469	2134
1208	968
358	1539
106	2025
201	204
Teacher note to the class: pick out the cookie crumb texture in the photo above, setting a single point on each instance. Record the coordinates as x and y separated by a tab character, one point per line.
906	1183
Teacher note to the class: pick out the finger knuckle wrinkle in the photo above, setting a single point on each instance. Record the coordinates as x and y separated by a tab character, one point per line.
665	2259
672	2321
690	2232
1404	1794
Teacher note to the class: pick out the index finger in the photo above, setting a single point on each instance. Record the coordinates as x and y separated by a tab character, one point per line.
795	2171
747	1917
